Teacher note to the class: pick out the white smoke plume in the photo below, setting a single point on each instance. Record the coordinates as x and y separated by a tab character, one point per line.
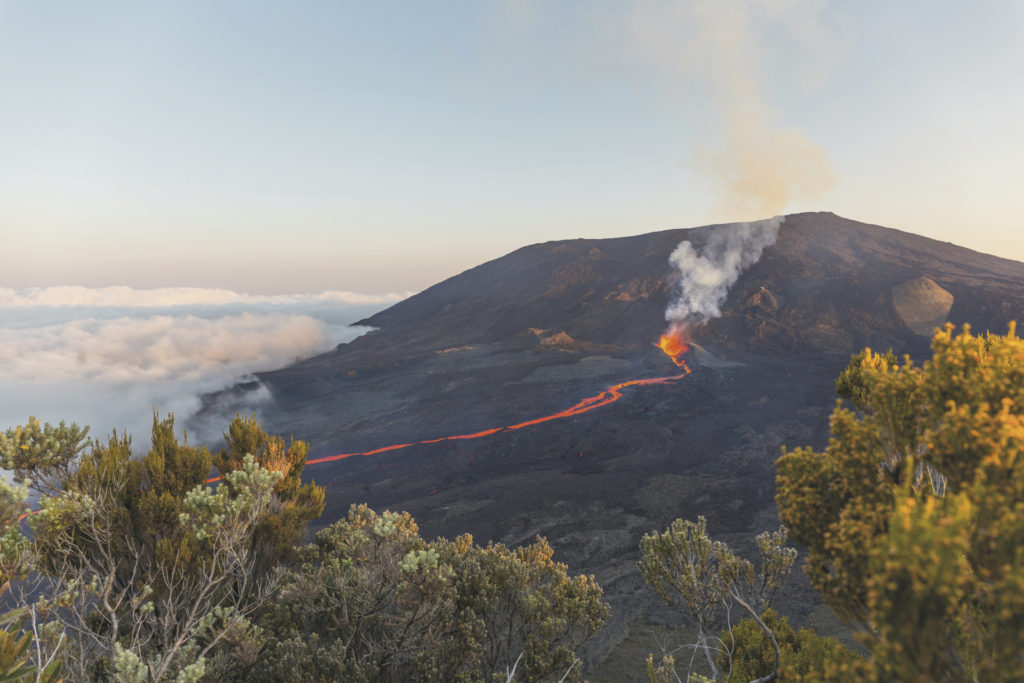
706	272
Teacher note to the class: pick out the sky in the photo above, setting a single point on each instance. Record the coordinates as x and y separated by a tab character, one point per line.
377	147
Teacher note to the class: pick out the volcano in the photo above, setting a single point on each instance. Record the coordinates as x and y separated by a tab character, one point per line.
484	355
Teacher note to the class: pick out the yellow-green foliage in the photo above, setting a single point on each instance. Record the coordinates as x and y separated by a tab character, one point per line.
851	384
143	498
705	579
914	514
14	564
42	453
373	601
277	534
174	468
13	545
523	593
14	650
806	656
141	553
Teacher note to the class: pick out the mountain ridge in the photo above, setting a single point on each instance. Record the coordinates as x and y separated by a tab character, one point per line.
467	309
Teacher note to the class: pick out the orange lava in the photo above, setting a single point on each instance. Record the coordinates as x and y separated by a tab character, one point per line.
477	435
671	343
609	395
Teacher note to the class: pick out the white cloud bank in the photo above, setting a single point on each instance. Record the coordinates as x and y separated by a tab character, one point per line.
106	357
158	348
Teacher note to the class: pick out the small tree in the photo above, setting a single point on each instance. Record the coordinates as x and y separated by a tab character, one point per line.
705	580
371	600
279	533
17	634
44	455
520	610
144	570
806	656
914	514
852	384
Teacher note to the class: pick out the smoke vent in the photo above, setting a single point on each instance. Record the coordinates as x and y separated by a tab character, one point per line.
922	304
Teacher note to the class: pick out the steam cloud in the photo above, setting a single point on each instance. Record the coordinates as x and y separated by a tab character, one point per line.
707	272
759	167
106	357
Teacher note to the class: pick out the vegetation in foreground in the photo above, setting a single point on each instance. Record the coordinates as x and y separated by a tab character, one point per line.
913	518
138	570
913	515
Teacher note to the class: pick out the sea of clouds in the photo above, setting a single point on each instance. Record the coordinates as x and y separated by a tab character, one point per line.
107	357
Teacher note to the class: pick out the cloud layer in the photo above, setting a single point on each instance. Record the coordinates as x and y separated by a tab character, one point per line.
158	348
107	357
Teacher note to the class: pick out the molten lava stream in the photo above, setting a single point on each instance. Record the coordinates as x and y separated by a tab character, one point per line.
672	343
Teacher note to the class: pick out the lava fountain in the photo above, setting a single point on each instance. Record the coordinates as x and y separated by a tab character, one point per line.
673	344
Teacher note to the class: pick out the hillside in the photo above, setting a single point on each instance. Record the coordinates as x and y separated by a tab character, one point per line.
535	331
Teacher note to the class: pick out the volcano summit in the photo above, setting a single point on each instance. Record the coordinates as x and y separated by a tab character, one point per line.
540	331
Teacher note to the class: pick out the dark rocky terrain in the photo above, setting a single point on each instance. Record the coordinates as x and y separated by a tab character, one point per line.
535	331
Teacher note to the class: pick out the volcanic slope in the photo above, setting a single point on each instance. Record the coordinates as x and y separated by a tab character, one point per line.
535	331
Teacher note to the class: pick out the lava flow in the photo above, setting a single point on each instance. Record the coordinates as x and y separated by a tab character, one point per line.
671	343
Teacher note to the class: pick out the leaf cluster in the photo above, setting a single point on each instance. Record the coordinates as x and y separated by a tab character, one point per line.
806	655
295	504
914	513
704	578
372	600
140	565
144	572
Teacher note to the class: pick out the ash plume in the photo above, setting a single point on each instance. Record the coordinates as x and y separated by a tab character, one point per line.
707	271
720	49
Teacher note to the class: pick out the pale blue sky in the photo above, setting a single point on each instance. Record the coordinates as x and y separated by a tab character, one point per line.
382	146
